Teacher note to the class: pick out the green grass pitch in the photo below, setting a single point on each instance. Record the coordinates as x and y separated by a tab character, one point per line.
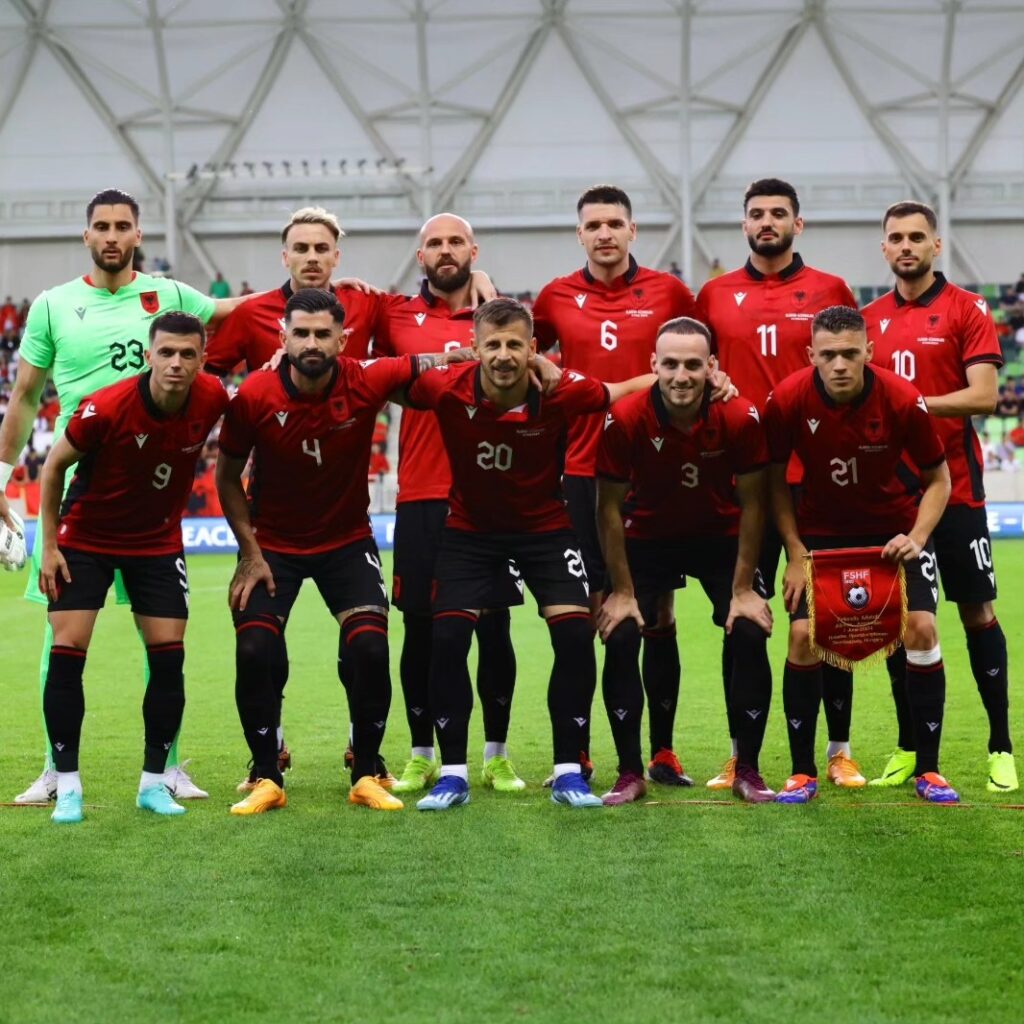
861	907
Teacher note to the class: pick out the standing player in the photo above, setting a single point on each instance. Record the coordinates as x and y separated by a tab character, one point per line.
309	423
136	444
505	442
850	425
605	317
760	316
439	319
942	338
88	333
693	475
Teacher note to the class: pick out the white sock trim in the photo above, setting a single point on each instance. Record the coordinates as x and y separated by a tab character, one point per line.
68	782
427	752
924	658
567	769
460	771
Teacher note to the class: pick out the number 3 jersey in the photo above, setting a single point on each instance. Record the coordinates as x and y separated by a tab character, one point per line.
851	452
683	481
506	464
607	332
308	490
90	337
129	491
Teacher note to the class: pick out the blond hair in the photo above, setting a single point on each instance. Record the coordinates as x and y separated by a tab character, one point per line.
314	215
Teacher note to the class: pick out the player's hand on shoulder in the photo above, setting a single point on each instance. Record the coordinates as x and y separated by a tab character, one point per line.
13	551
481	288
722	387
544	374
902	549
749	605
793	583
357	284
616	609
53	572
249	574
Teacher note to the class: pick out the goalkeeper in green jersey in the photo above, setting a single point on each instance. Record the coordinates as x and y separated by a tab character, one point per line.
88	333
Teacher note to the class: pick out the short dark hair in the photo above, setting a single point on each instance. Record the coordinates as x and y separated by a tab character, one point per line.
836	319
315	300
907	208
611	194
772	187
686	325
112	197
176	321
501	312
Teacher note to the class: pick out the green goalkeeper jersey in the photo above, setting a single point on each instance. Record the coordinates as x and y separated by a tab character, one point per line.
90	337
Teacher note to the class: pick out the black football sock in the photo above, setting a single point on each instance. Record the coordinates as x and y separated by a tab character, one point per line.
414	672
751	691
801	695
624	694
727	683
495	673
986	648
451	693
256	695
64	705
896	665
364	637
661	682
345	672
280	672
837	698
572	684
926	686
164	703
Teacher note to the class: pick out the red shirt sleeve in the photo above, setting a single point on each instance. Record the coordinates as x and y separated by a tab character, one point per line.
979	341
237	435
543	328
381	377
89	426
683	302
750	450
780	444
923	444
614	451
426	390
226	348
578	394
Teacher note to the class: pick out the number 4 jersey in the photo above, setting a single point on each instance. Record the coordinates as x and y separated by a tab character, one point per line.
90	337
130	489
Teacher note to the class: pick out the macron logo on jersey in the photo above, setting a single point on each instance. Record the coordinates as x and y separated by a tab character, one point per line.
419	318
921	404
470	410
141	439
657	442
281	416
608	420
813	424
739	297
89	410
580	299
80	310
884	324
752	413
982	305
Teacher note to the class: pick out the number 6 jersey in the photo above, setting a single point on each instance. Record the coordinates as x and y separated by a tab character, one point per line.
129	490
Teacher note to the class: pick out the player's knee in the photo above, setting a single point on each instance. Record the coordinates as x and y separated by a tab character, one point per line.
747	635
623	642
800	642
976	615
922	633
257	638
451	636
572	637
166	666
364	640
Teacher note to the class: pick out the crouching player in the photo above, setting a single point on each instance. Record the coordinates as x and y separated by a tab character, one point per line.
692	475
505	442
136	444
309	423
850	424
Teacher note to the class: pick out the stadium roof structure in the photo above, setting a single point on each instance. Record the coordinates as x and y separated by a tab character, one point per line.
220	114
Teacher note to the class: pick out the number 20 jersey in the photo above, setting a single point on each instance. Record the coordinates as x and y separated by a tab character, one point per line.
90	337
130	489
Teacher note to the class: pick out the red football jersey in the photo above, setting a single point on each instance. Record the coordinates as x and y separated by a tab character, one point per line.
683	482
308	491
419	326
252	333
130	490
931	342
506	465
762	324
607	332
851	452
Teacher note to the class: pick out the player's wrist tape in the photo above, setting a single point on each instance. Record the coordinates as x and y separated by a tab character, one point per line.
6	469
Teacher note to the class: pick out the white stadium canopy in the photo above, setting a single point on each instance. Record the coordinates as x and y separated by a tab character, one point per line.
222	114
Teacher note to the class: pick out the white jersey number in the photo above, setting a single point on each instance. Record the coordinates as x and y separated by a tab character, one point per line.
844	472
161	476
314	451
609	334
494	456
904	364
768	333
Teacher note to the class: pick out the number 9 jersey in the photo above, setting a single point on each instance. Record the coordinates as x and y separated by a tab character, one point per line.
130	489
90	337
